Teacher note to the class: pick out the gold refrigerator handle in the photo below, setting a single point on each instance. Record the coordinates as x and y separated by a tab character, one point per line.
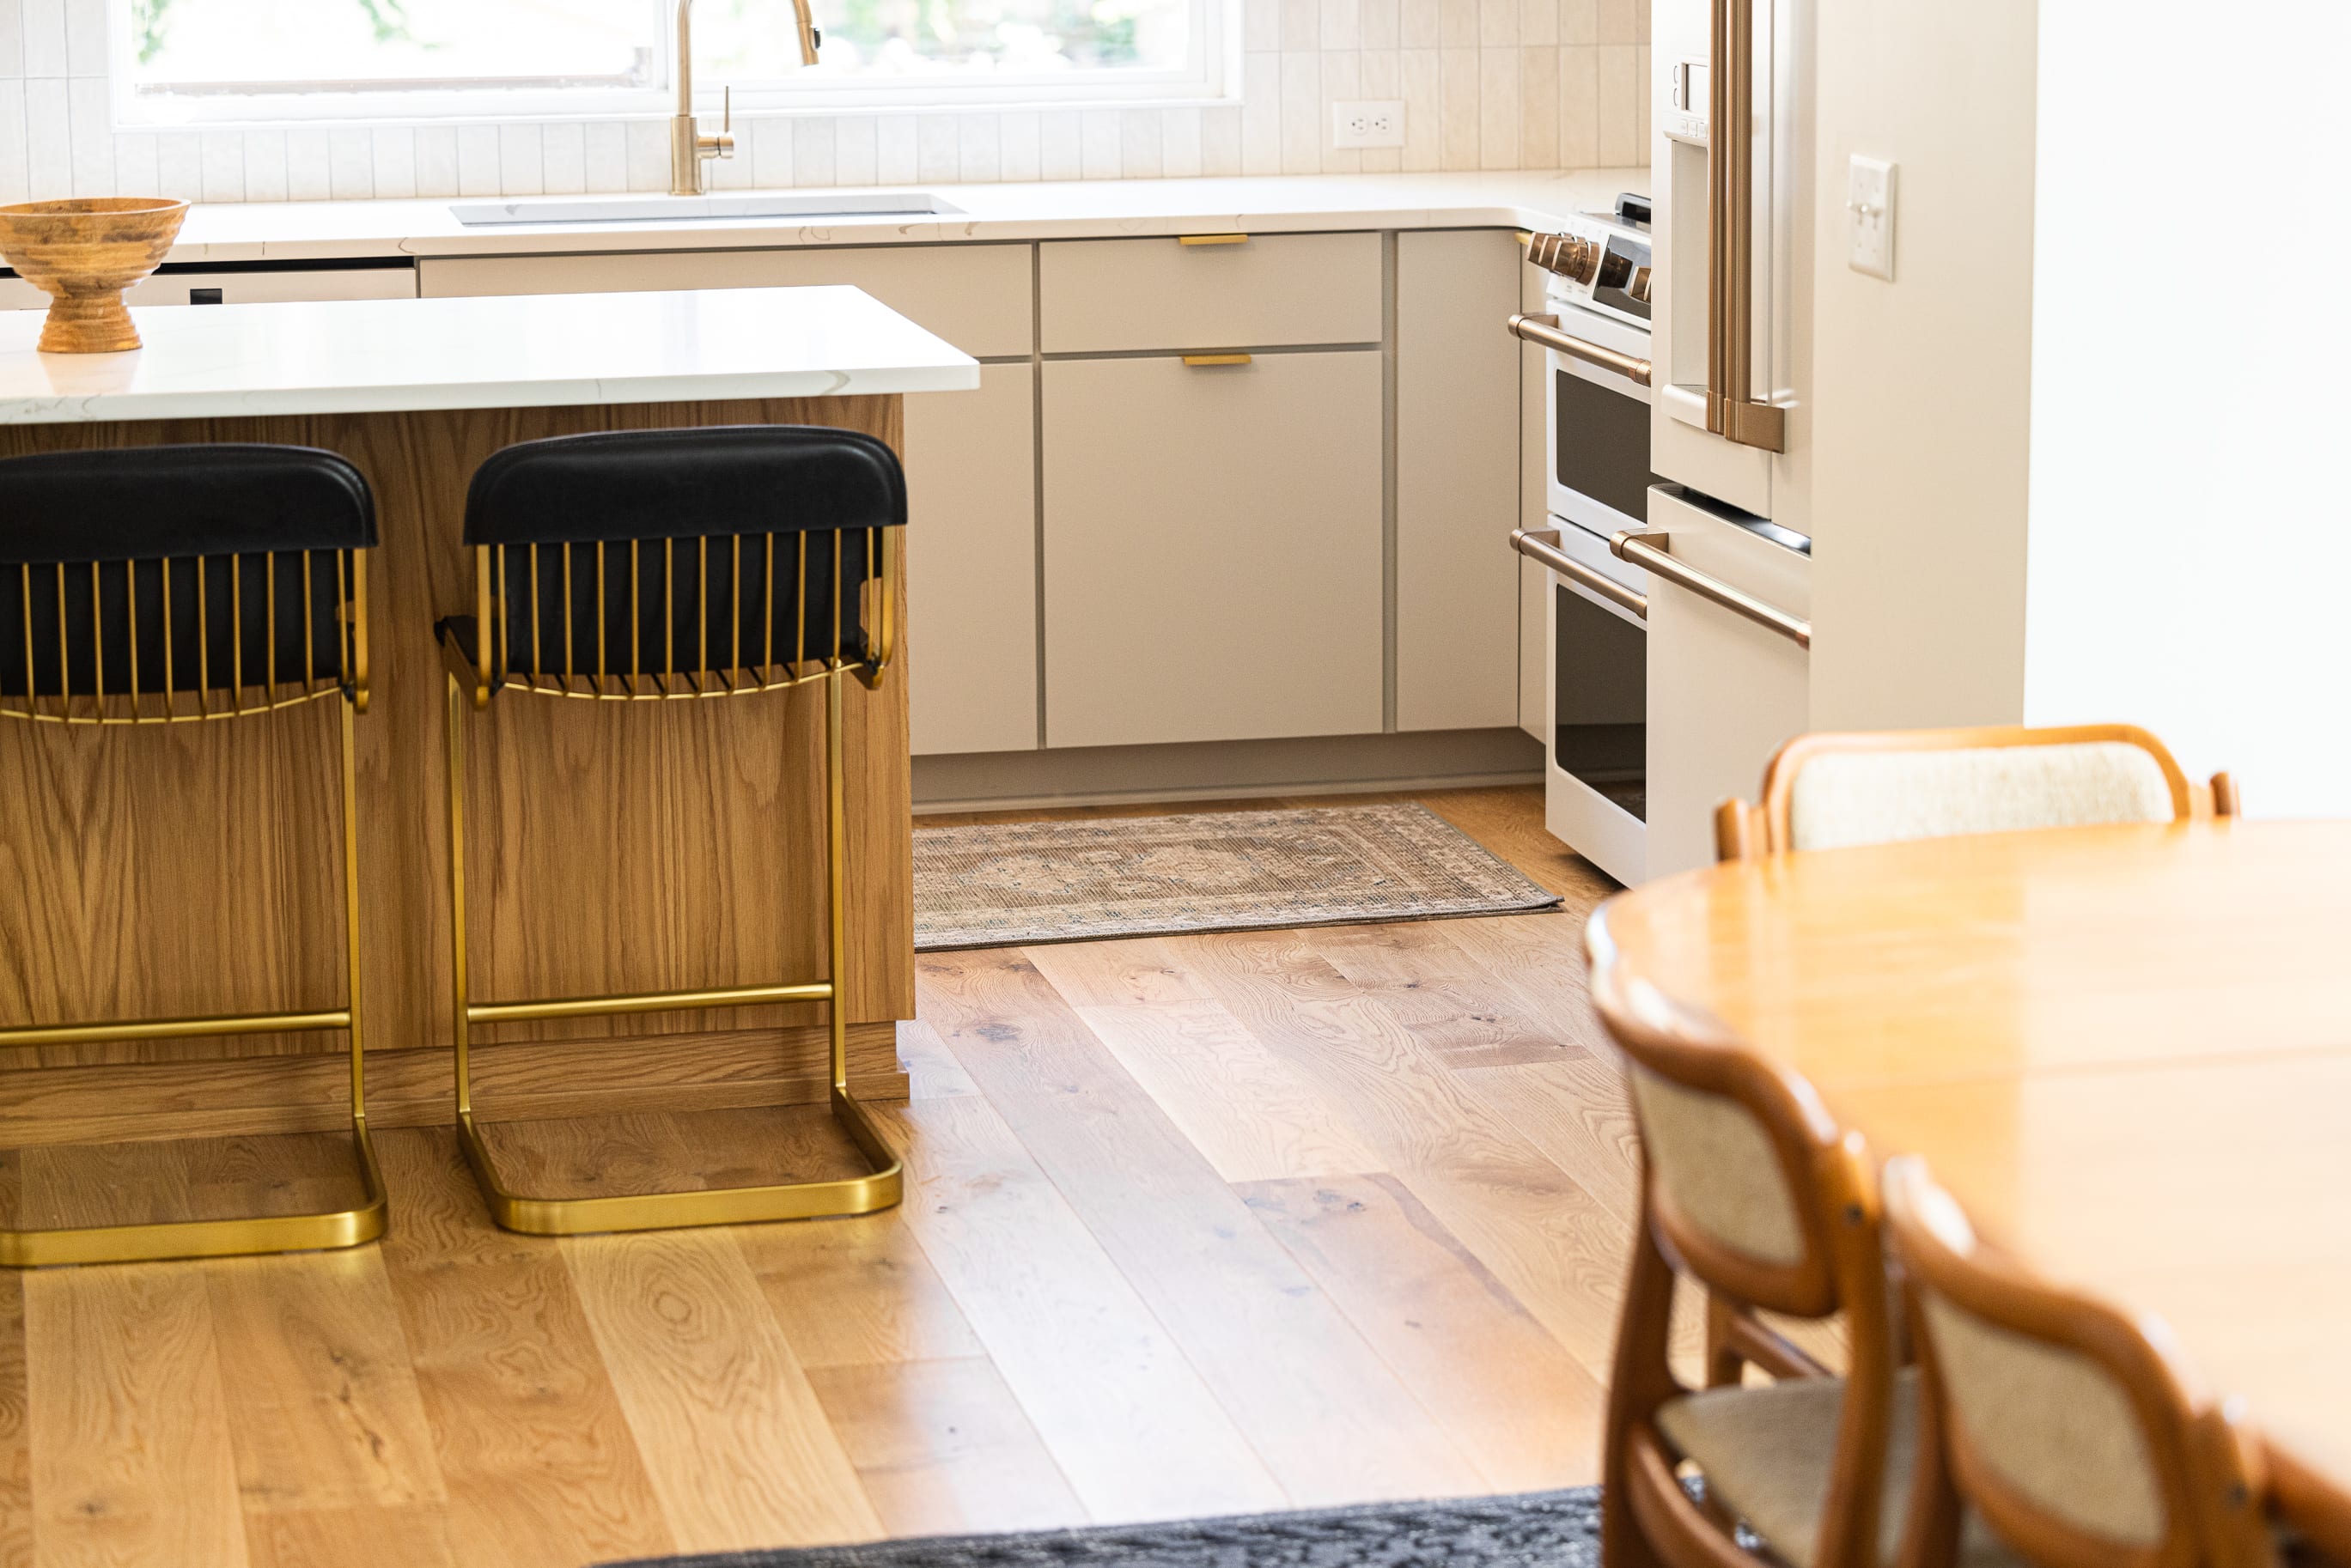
1730	413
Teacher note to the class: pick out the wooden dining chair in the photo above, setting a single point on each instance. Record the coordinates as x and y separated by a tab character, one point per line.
2068	1426
1831	789
1751	1190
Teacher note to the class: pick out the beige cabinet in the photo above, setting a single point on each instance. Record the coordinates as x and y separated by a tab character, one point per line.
1108	296
1456	480
971	559
1212	548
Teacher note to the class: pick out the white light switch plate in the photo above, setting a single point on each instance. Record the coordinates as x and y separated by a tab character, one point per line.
1869	217
1368	122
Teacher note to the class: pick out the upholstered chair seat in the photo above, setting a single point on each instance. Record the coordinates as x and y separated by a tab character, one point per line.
1766	1453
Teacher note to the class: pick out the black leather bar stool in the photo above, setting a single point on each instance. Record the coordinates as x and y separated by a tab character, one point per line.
650	566
174	585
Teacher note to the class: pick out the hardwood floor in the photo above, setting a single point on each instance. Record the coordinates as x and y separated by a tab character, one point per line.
1194	1225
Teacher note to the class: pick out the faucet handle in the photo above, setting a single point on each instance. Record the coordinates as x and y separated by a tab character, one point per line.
726	108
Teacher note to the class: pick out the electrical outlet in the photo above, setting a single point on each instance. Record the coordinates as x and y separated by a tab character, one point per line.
1369	123
1869	217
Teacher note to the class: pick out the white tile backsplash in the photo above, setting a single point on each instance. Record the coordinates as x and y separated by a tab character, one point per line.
1491	84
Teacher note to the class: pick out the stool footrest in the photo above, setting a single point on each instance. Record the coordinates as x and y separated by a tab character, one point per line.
645	1001
236	1236
174	1028
880	1188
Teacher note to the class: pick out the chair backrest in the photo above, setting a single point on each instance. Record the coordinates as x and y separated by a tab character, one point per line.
684	552
132	578
1750	1180
2065	1423
1831	789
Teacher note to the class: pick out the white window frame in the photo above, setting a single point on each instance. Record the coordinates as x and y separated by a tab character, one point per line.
1213	78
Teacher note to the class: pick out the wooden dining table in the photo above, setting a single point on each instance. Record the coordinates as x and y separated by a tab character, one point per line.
2125	1050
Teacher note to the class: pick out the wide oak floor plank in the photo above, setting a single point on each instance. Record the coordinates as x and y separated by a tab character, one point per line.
538	1462
130	1449
856	1292
323	1407
1280	1357
415	1535
1118	1406
733	1437
1526	1413
943	1448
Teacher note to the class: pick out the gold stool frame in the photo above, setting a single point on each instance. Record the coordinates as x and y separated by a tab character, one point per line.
883	1185
238	1235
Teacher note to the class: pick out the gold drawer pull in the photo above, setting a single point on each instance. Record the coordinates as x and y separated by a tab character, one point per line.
1212	239
1197	360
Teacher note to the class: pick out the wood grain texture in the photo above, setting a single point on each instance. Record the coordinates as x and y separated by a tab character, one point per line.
537	1456
1005	1349
279	1094
16	1430
123	1362
1239	1307
1117	1403
943	1447
733	1438
671	845
1525	1413
323	1408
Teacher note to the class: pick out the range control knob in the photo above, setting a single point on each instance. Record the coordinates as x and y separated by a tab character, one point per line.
1570	255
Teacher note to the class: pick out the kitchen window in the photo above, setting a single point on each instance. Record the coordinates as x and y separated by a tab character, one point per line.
212	60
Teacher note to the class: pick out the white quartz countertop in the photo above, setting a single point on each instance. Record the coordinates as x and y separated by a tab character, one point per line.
365	355
293	230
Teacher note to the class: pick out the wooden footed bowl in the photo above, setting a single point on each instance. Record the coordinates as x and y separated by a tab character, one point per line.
84	252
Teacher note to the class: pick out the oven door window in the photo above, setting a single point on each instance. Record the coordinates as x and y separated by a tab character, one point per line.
1600	701
1602	443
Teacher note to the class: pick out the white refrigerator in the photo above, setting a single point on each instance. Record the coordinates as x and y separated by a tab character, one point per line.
1728	548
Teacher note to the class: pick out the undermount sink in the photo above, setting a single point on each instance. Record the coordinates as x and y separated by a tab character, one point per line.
691	209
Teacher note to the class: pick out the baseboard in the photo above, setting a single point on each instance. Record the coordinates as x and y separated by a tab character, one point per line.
1226	770
526	1080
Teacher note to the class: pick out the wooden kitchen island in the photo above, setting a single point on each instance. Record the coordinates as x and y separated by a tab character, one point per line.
193	869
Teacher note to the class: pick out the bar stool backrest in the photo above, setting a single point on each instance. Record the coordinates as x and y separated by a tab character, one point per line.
730	551
134	579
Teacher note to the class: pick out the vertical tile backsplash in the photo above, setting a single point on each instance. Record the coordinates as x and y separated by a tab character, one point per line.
1486	84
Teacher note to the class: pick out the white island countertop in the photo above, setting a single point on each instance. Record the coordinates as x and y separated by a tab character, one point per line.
368	355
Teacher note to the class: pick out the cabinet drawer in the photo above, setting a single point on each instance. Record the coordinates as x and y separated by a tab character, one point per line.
977	298
1106	296
1213	551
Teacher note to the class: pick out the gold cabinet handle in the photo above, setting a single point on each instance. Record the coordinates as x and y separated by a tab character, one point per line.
1544	330
1542	546
1197	360
1731	411
1212	239
1636	548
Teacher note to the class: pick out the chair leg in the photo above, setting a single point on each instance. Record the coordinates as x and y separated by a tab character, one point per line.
239	1235
882	1186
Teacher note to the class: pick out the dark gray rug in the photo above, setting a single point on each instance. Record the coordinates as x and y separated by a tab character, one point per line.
1012	883
1534	1530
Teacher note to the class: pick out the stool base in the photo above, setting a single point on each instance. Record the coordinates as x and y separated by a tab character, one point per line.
239	1236
881	1188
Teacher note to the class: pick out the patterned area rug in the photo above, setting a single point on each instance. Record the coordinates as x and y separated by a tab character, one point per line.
1013	884
1535	1530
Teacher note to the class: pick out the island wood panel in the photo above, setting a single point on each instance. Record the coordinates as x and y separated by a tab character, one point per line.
197	870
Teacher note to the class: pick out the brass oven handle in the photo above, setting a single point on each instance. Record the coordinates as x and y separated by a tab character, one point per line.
1633	547
1730	413
1544	330
1542	546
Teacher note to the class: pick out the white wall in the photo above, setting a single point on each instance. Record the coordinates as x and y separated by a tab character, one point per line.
1487	84
2191	423
1920	418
